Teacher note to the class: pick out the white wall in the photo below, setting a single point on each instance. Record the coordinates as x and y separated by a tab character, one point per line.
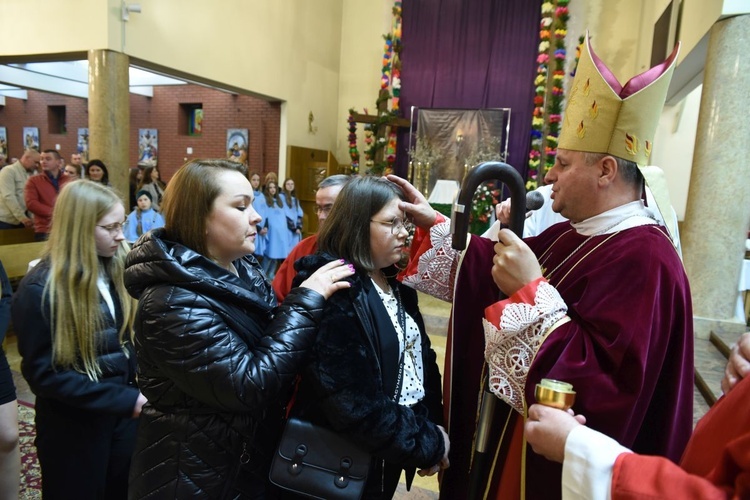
286	50
322	56
673	147
364	24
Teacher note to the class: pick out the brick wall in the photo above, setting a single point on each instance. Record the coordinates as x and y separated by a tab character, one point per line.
221	111
19	113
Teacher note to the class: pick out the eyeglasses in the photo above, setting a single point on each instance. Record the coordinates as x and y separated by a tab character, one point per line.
397	224
323	210
113	228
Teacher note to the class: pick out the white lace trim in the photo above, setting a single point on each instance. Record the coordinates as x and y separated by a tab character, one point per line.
436	268
510	350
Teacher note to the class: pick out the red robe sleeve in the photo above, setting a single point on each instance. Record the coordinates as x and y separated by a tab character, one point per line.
716	463
282	282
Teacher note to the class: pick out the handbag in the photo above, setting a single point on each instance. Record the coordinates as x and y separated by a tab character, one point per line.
319	463
291	225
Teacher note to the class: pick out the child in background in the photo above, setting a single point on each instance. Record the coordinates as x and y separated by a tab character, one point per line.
143	218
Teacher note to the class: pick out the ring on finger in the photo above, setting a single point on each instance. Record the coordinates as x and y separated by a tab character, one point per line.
333	279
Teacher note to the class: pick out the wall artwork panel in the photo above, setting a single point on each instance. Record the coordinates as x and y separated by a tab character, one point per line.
148	147
237	143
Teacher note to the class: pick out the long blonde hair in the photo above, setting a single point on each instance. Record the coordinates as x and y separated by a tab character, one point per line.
76	316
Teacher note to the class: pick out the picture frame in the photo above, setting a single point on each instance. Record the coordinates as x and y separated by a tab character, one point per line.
237	145
195	127
148	147
31	138
82	144
4	142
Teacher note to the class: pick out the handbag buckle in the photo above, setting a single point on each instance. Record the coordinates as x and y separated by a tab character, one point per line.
342	478
295	466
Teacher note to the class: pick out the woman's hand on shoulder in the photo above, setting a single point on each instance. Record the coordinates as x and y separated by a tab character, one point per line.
329	278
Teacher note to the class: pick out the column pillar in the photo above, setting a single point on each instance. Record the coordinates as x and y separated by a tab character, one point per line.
718	208
109	115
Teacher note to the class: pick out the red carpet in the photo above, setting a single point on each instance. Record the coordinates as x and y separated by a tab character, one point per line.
31	474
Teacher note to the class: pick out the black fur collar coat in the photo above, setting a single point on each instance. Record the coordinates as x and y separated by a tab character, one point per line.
349	383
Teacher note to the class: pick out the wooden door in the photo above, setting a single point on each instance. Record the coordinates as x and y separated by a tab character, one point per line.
308	167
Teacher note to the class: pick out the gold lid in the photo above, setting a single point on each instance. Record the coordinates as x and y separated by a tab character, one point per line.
555	393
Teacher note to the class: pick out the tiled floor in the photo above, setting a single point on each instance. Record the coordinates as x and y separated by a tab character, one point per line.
436	313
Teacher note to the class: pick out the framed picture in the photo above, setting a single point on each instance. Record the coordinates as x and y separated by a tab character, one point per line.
3	142
148	147
195	127
237	141
30	138
82	146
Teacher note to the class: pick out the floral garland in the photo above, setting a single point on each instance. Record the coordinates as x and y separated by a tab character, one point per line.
554	105
547	112
353	151
483	203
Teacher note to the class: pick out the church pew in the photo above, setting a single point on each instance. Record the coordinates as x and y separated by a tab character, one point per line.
13	236
16	258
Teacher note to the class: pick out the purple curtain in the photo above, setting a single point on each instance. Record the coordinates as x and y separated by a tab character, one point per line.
471	54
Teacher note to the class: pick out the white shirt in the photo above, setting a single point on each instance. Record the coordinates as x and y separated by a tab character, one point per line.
412	389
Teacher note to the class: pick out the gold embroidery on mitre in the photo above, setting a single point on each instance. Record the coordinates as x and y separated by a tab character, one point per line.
587	87
648	149
631	144
581	131
594	110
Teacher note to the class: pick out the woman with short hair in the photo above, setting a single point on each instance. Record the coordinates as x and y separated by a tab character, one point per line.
215	356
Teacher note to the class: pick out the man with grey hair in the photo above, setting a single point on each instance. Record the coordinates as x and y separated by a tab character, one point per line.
328	190
13	213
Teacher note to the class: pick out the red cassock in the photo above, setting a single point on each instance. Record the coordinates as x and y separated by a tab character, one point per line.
716	463
627	349
282	282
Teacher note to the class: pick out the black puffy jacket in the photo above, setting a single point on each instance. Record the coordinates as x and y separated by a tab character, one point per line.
65	390
216	361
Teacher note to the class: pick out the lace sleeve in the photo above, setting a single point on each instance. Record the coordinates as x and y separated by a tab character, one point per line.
510	350
436	267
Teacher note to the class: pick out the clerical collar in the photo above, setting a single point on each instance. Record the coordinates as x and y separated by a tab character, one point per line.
629	215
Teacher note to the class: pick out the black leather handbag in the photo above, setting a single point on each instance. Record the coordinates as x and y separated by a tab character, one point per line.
318	463
291	225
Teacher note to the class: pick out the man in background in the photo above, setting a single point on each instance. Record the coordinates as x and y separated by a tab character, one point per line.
13	214
328	190
42	189
77	163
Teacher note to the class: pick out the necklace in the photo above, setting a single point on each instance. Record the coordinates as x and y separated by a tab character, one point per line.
598	233
381	281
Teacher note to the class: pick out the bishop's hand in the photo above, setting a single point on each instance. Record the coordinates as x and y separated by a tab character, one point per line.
514	264
415	206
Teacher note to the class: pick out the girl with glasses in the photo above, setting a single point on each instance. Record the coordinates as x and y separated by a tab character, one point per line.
74	319
373	375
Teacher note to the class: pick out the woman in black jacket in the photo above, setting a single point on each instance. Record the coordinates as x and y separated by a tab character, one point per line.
215	358
373	375
73	318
